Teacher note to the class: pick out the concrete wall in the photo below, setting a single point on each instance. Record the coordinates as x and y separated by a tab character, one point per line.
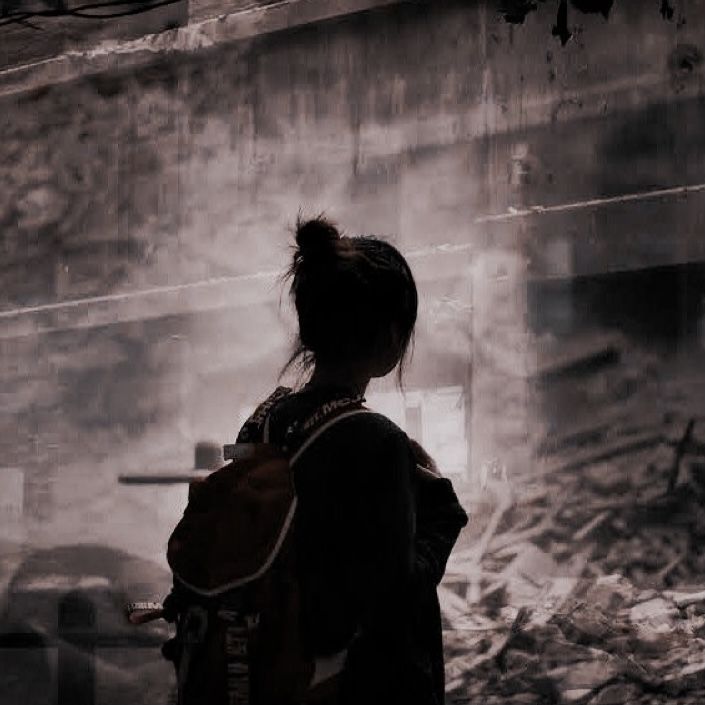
422	118
413	121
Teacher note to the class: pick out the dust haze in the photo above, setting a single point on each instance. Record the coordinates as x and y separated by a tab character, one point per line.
549	196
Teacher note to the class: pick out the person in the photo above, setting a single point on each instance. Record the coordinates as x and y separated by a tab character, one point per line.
375	521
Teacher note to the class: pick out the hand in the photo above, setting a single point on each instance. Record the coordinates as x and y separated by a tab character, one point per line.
143	612
425	464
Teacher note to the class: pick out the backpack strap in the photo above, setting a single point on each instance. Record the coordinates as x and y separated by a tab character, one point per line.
324	427
301	432
252	428
257	426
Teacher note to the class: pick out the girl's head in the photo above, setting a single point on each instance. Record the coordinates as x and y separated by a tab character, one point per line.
355	298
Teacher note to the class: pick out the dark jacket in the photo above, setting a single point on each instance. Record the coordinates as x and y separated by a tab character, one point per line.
373	539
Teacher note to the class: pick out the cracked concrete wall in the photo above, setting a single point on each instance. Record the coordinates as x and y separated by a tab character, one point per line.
130	180
411	121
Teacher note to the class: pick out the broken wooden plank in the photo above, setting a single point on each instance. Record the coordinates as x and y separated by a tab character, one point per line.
581	533
609	451
521	537
505	503
580	355
683	599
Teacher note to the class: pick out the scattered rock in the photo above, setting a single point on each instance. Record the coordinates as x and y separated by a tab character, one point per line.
606	479
655	615
608	627
616	694
610	592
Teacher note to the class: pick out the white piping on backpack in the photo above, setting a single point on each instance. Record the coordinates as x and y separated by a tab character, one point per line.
289	517
327	667
266	428
320	430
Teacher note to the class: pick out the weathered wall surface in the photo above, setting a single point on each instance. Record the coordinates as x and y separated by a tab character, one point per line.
411	121
423	117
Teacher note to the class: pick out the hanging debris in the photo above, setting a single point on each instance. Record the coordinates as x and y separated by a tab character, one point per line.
602	7
515	11
560	29
666	10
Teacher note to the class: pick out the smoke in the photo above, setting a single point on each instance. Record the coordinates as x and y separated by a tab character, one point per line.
163	186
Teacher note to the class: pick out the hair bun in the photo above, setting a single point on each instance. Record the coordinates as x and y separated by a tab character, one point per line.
316	238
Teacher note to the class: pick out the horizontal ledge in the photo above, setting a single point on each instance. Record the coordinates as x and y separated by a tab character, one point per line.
166	479
85	314
235	292
429	264
538	210
157	302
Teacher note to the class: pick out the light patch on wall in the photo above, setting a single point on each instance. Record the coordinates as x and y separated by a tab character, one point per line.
444	428
391	404
434	417
164	505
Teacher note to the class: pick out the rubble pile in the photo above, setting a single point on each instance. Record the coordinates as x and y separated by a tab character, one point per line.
586	585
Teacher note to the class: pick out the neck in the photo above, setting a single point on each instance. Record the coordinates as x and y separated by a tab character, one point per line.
340	376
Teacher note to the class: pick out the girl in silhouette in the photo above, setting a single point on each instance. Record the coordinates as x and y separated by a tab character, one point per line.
375	520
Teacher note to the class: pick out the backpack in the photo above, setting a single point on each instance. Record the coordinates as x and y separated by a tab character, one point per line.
236	595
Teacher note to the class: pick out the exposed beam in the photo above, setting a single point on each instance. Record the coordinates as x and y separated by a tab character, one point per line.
118	55
32	32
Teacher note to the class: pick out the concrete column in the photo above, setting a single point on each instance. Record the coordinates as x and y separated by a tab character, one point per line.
503	355
502	360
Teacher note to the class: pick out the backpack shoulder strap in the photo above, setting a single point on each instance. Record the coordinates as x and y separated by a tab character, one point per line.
257	426
324	427
252	428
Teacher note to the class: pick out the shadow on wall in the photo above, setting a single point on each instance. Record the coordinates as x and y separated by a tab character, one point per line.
63	622
661	307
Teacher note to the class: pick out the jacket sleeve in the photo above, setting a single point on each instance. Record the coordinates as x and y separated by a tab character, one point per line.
388	657
411	522
439	520
408	528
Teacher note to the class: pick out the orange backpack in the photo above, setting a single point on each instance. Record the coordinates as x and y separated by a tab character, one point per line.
238	638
